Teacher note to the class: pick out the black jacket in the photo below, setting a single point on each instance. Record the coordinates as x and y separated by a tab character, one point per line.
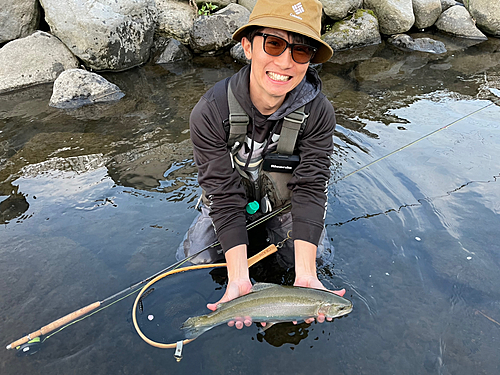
222	183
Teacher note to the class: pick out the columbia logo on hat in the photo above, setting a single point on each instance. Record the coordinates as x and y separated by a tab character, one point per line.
298	9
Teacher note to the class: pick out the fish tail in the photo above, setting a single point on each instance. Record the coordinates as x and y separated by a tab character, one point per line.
193	328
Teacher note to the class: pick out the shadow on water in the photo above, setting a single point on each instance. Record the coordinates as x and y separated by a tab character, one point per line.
95	199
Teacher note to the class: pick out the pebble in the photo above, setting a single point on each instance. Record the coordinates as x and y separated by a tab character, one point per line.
418	238
151	317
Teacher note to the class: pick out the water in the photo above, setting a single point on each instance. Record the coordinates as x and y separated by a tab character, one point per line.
96	199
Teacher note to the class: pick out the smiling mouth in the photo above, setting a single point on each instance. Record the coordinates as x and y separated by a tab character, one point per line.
278	77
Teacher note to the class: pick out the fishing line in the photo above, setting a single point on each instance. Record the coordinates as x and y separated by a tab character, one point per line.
413	142
83	313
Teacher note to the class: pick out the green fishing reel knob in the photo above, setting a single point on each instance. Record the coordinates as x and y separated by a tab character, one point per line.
252	207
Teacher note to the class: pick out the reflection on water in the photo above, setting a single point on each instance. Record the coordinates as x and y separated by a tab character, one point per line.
95	199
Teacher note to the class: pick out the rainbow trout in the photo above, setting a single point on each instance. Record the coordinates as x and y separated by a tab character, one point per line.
271	303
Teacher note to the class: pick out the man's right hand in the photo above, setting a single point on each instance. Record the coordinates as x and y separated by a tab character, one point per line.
235	289
239	282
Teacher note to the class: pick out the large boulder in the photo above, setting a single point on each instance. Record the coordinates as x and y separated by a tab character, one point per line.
446	4
394	16
360	30
212	33
104	34
174	51
175	19
426	12
487	15
458	22
75	88
249	4
339	9
18	18
406	42
38	58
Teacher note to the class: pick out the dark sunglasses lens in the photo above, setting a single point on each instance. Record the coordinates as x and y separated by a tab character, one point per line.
302	53
274	45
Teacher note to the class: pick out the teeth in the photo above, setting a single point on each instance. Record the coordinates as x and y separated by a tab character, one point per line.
278	77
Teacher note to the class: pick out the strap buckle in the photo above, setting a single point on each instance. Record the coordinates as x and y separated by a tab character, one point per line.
297	117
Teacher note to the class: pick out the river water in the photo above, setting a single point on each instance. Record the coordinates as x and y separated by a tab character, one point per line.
95	199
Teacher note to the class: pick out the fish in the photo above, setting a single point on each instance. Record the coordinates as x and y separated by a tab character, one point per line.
271	303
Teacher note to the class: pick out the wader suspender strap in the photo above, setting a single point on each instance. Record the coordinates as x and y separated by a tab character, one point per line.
290	131
239	120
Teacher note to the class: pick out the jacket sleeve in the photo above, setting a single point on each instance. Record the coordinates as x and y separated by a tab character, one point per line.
216	175
309	182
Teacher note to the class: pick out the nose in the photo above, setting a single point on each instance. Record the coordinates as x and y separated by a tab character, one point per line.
285	61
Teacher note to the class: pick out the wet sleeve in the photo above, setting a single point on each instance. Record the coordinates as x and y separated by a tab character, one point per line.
309	182
216	175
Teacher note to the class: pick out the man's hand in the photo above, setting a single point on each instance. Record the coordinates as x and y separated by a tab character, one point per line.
313	282
305	272
239	282
235	289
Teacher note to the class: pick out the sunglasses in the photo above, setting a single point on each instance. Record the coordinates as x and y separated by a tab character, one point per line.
275	46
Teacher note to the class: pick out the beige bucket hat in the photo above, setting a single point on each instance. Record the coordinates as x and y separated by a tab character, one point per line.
301	17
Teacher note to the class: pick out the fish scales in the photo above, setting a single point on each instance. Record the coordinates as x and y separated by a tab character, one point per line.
271	303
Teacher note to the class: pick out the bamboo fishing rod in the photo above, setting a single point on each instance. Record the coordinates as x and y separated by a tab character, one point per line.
89	308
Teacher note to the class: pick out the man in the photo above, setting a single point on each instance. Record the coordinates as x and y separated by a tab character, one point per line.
280	39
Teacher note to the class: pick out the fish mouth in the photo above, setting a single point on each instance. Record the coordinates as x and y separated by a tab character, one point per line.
278	77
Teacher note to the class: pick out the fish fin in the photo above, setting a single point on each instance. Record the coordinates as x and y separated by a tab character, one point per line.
261	286
192	328
268	325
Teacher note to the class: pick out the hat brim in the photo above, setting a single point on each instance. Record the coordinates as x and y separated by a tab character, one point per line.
324	52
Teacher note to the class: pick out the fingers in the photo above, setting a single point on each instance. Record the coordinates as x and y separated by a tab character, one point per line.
240	322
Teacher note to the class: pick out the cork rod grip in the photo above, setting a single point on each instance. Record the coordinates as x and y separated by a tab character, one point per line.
55	324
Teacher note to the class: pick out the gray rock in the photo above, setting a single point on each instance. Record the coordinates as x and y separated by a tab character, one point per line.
175	19
428	45
487	15
249	4
18	18
238	54
447	4
105	35
394	16
339	9
75	88
426	12
174	51
38	58
360	30
212	33
458	22
354	54
219	3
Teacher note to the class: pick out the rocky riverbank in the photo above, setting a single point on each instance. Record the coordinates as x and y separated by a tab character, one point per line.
43	38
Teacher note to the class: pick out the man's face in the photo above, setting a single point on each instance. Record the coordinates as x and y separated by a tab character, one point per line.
272	77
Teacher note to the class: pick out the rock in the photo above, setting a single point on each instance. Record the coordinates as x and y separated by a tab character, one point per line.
426	12
354	54
394	16
18	18
238	54
487	15
38	58
339	9
174	51
458	22
75	88
219	3
428	45
212	33
105	35
446	4
249	4
360	30
175	19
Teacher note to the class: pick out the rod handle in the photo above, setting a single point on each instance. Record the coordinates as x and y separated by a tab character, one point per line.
55	324
262	254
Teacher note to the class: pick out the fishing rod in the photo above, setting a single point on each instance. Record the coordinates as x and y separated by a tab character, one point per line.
89	309
65	320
